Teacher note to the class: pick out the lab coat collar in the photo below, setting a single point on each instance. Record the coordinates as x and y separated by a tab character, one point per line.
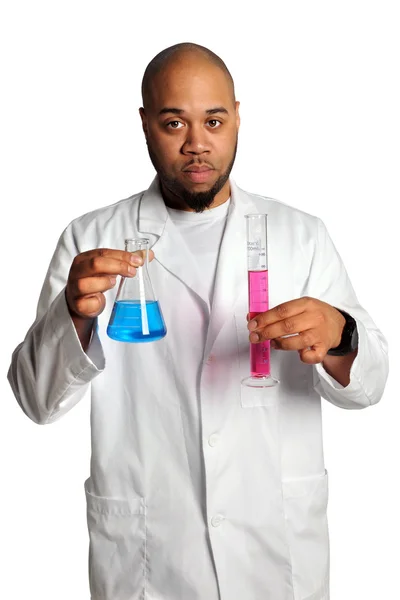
168	245
153	213
171	252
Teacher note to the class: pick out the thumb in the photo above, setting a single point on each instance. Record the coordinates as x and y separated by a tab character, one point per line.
142	253
313	354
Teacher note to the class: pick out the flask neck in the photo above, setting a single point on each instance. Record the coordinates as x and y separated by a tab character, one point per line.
137	288
139	244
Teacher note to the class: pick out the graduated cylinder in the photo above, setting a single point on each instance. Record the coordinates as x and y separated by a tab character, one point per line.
257	267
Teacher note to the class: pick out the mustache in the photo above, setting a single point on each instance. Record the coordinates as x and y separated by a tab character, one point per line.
198	164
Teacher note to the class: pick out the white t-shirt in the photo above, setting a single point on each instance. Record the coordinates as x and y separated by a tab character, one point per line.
202	234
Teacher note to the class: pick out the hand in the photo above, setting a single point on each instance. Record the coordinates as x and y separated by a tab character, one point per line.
94	272
318	326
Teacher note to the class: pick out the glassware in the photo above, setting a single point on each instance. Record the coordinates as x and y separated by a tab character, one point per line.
257	266
136	314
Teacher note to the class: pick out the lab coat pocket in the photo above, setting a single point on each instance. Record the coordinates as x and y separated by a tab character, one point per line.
250	397
117	549
305	505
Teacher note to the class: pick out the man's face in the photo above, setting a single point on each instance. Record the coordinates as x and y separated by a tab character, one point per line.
191	127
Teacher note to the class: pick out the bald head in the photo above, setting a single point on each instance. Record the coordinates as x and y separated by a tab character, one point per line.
180	54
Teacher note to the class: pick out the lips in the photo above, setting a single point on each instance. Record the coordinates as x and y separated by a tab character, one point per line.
198	174
196	169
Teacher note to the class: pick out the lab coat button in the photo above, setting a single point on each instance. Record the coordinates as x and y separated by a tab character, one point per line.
217	520
213	440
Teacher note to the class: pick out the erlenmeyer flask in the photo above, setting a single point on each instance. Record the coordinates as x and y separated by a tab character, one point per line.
136	314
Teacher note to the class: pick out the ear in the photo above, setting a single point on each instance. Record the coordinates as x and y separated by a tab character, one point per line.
143	116
237	104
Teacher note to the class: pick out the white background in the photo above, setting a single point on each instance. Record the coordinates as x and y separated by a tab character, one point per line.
318	85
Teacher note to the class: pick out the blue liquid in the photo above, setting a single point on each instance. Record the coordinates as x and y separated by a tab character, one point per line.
126	322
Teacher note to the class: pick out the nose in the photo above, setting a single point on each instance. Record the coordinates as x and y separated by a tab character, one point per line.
196	141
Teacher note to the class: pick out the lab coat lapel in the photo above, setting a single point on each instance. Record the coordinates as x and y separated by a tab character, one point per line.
231	276
168	245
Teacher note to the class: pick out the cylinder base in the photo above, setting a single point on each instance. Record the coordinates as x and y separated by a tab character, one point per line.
262	381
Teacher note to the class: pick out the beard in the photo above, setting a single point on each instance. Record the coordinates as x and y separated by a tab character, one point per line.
198	201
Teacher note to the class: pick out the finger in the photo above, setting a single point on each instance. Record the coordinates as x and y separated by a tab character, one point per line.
303	340
313	355
105	252
99	265
282	311
251	315
112	253
92	285
289	326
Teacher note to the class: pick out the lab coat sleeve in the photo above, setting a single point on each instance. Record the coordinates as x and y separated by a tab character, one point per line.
50	372
330	283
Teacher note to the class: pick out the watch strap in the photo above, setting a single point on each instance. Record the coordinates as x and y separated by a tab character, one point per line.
349	340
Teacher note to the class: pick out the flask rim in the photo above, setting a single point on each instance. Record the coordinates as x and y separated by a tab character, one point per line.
137	241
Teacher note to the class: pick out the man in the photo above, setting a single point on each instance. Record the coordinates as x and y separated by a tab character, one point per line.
200	488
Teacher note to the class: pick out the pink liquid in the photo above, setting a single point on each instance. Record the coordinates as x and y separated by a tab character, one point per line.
258	302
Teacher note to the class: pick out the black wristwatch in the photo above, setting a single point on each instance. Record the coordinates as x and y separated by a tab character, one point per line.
349	341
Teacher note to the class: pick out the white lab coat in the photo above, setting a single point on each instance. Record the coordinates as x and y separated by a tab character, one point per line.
199	489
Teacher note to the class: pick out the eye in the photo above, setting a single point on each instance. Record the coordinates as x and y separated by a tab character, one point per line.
173	124
214	123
